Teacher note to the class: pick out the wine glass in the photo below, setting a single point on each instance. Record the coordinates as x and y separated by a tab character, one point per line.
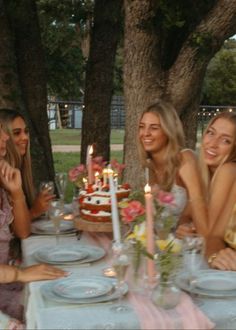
193	255
61	184
56	214
49	187
120	263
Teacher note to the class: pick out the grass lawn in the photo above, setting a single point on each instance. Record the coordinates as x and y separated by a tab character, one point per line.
65	161
73	136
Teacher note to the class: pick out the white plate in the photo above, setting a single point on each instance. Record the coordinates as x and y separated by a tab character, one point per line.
93	253
48	293
82	288
211	283
58	254
47	226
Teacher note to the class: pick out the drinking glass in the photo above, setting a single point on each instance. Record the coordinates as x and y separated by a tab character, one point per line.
49	187
120	263
61	184
193	255
56	214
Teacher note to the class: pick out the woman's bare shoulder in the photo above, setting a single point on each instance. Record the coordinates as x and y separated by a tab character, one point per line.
227	169
188	155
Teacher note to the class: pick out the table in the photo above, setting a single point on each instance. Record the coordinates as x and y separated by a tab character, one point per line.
45	314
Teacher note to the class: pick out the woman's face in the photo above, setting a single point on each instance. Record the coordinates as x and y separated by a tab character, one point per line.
151	134
3	139
20	133
218	142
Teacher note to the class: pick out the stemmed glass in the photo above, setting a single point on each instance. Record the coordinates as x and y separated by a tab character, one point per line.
193	255
120	263
49	187
61	183
56	214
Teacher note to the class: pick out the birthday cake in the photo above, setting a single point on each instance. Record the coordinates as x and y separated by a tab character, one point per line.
95	205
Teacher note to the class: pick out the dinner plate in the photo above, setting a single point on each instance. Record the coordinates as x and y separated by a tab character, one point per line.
82	288
47	291
47	227
212	283
58	254
93	253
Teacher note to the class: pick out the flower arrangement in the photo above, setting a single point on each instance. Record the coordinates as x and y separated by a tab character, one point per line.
133	215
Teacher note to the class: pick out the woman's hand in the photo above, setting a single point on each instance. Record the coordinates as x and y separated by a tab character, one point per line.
10	177
224	260
39	273
185	230
41	203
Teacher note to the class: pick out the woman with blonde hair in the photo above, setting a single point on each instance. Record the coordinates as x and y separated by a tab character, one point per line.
18	156
172	168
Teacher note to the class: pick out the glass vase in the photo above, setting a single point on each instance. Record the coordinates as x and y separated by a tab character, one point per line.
166	294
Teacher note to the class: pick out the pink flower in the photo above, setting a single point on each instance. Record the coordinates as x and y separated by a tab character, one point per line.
75	172
132	211
117	166
165	197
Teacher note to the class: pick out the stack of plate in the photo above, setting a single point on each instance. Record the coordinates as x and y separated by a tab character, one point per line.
46	227
79	290
211	283
67	254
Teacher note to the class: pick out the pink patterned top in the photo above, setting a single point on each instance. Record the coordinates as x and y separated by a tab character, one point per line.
10	294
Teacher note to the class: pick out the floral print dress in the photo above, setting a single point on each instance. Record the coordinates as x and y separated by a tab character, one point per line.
10	294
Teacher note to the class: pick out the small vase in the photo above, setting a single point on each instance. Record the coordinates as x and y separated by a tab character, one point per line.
166	294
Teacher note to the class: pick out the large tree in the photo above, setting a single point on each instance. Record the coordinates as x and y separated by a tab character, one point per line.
99	77
30	67
168	45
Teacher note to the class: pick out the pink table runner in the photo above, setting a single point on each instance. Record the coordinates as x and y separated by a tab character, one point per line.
185	316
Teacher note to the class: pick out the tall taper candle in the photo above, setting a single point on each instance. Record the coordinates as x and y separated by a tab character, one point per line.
114	209
90	165
149	231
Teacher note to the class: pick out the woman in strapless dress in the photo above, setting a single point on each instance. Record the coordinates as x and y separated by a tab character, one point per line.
171	167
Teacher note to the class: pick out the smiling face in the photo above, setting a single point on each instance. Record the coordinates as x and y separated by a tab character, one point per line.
3	139
20	134
152	136
218	142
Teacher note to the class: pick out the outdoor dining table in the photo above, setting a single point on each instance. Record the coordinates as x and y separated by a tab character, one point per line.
41	313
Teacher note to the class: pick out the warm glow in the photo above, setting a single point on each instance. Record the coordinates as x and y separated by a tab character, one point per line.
96	174
91	150
109	171
84	180
147	188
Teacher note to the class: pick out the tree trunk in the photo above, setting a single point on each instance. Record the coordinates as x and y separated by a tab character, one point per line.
154	68
9	89
32	77
99	78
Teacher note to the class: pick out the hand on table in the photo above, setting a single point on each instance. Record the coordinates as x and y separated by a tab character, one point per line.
40	272
225	259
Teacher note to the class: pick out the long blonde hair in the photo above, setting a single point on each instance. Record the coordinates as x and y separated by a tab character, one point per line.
172	127
23	163
231	157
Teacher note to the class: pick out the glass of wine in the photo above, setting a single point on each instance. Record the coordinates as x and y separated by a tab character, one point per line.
193	255
49	187
56	214
61	184
120	263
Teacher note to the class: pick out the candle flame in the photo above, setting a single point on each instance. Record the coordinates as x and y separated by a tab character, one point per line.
84	180
109	171
147	188
91	150
96	174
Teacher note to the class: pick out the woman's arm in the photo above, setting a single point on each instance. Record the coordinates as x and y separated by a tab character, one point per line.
41	203
190	175
10	179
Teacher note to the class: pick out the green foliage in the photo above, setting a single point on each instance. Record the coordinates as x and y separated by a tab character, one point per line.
220	82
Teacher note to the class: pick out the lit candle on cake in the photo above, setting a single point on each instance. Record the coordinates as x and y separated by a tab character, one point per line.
90	165
85	182
114	208
97	179
149	231
104	172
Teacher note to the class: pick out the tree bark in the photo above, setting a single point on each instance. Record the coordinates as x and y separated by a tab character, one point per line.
9	89
99	78
32	78
148	74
